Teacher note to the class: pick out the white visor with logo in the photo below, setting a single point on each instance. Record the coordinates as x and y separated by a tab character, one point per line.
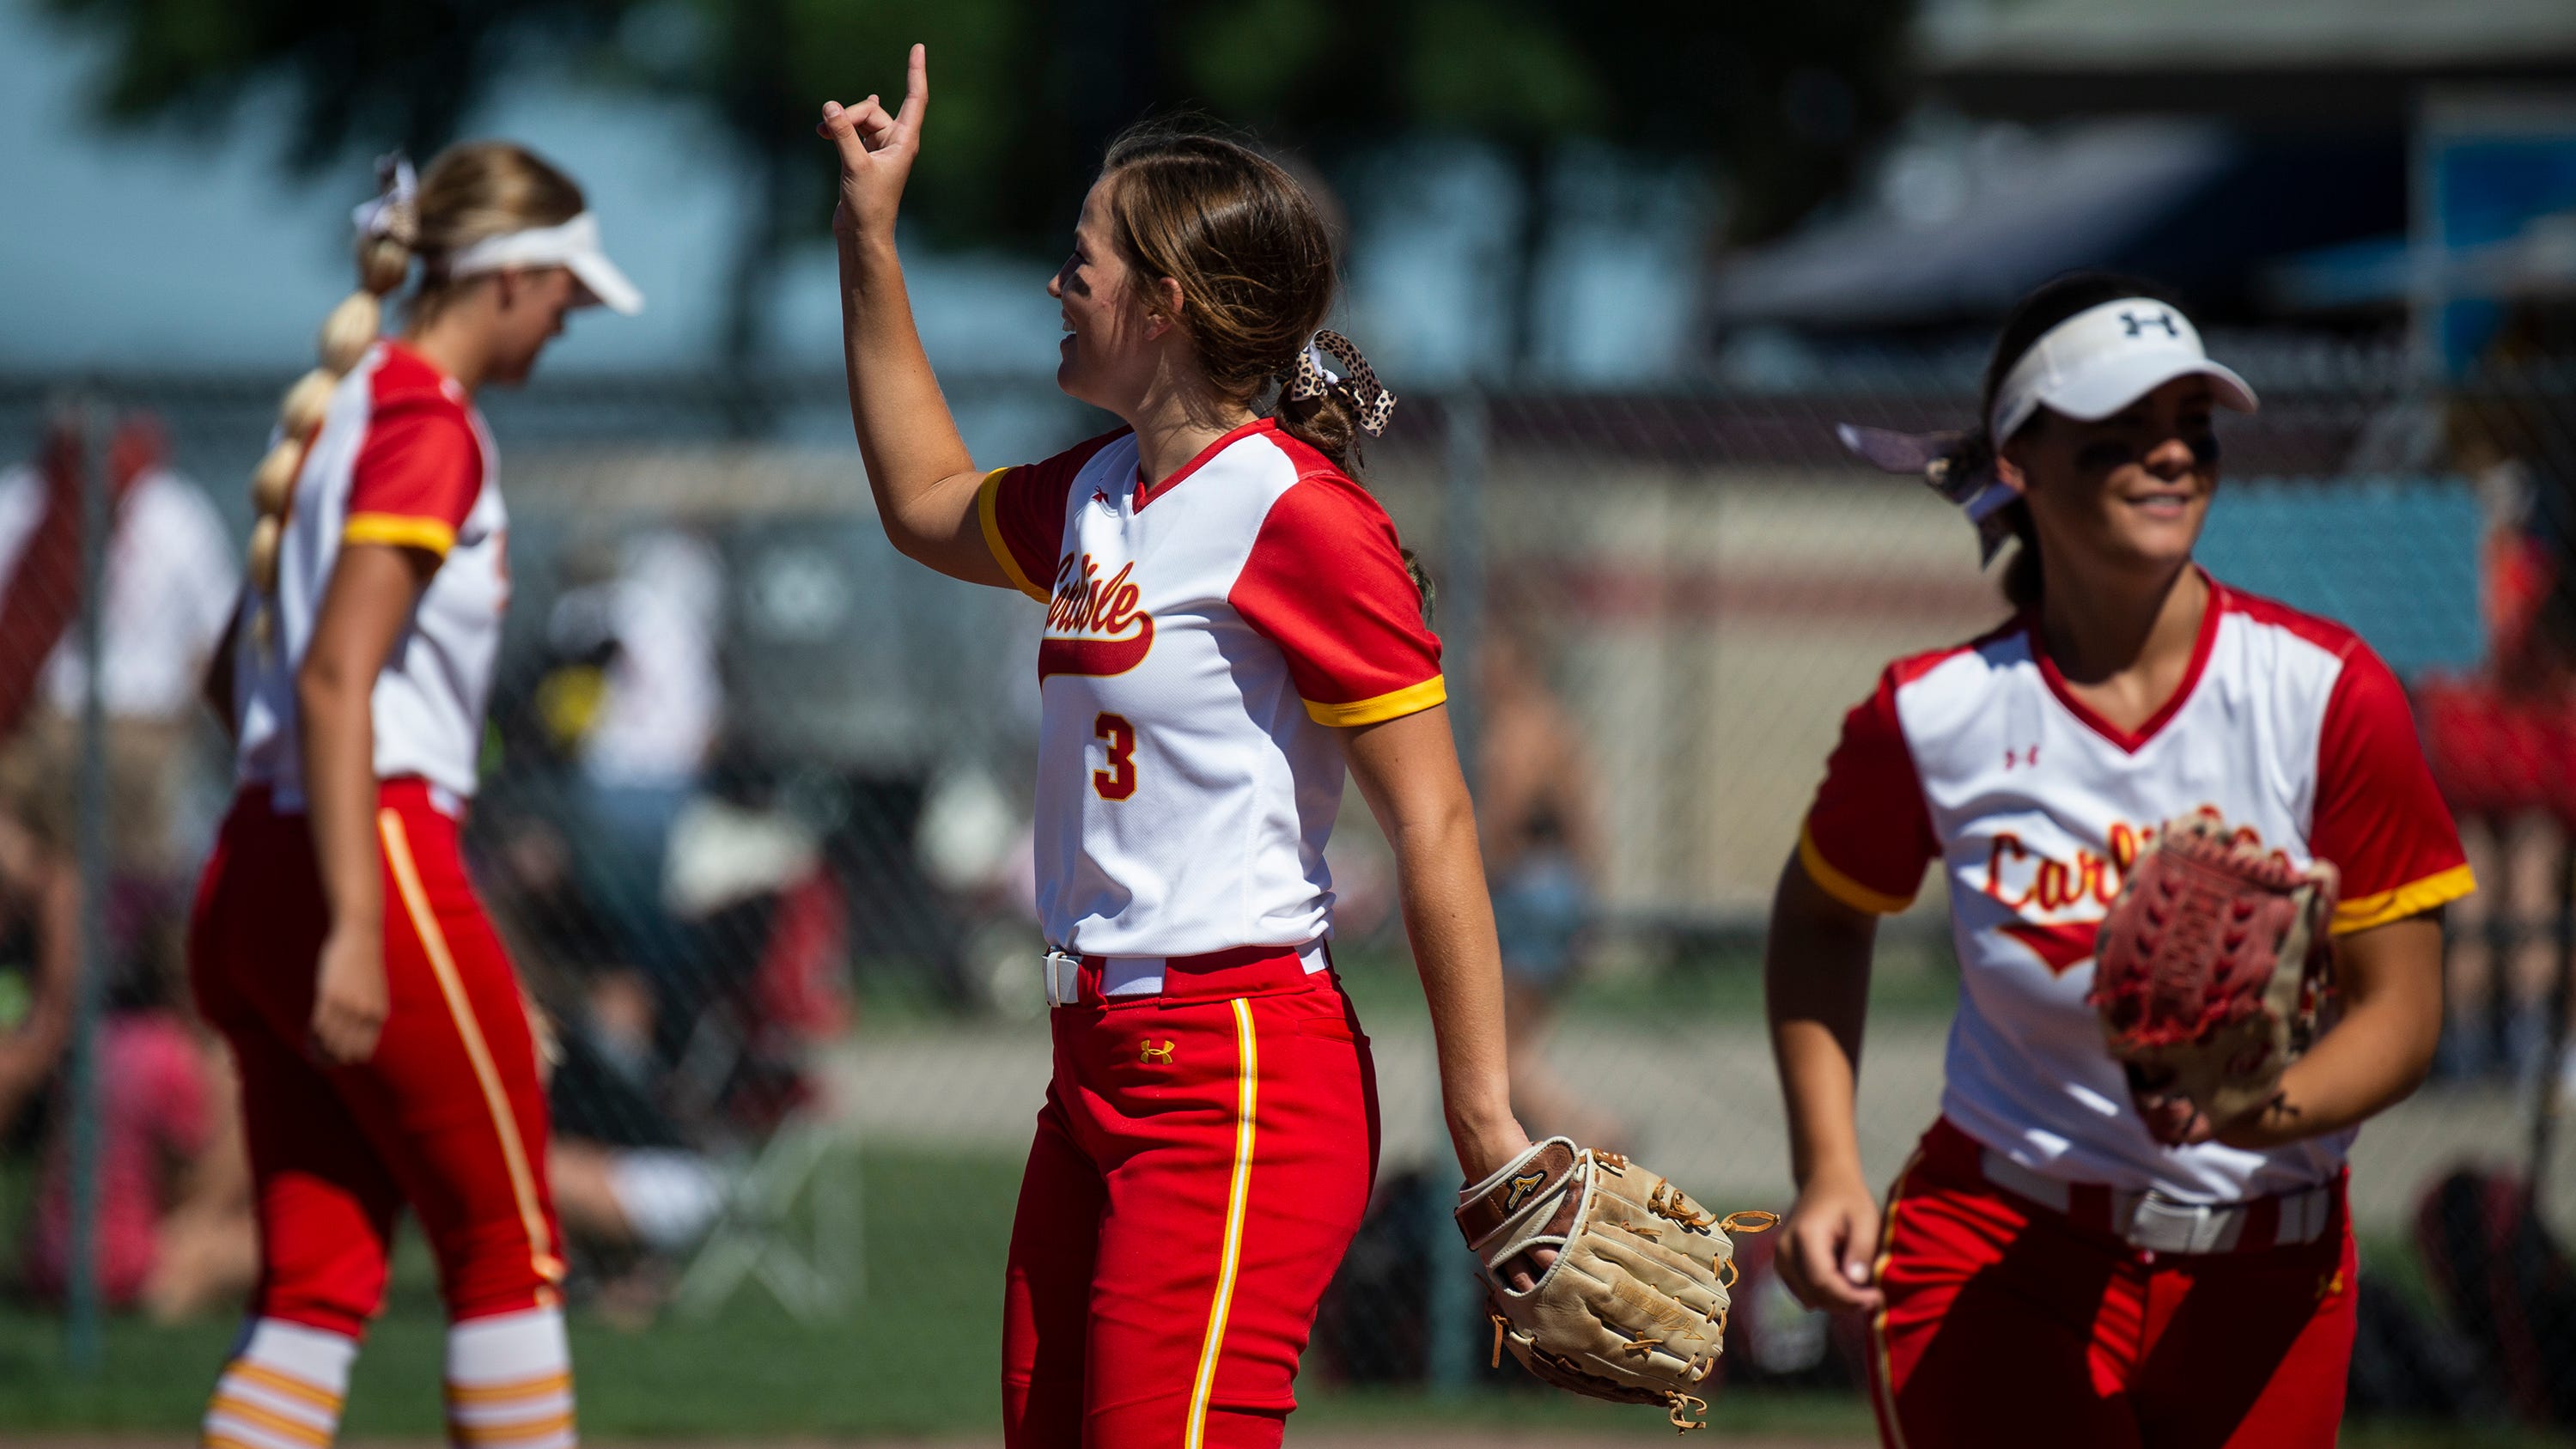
574	245
2104	358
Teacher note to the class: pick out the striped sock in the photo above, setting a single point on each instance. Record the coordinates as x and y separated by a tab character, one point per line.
282	1388
509	1382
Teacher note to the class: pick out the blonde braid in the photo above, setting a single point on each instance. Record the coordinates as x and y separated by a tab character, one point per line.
388	229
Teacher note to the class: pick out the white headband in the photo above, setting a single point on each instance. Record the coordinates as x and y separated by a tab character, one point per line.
574	245
2104	358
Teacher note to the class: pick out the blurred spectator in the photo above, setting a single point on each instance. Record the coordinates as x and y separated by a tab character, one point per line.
640	732
1535	804
2502	739
172	1227
171	584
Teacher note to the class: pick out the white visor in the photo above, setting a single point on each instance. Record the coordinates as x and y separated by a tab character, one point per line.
2104	358
573	245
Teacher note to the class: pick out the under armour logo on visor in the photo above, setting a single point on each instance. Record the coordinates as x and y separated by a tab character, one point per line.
2137	325
1309	378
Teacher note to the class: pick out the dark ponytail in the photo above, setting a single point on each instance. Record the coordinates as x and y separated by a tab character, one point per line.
2052	302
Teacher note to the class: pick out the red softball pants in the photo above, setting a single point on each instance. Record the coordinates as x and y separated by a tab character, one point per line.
448	1114
1201	1164
2007	1321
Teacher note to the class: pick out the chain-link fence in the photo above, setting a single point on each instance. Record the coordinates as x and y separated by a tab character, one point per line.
755	814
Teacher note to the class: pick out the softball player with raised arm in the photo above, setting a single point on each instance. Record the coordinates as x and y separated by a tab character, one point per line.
2044	1265
385	1056
1229	624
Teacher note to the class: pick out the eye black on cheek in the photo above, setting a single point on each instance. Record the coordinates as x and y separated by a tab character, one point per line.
2204	448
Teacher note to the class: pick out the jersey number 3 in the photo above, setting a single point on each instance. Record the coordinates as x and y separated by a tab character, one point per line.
1118	781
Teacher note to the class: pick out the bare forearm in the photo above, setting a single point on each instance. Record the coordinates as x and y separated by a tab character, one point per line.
1816	991
1450	922
916	462
340	796
2376	1056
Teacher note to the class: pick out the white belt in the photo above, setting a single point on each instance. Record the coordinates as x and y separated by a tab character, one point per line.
2158	1224
1135	975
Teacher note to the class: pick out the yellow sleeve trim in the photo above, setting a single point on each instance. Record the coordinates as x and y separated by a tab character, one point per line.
1412	699
399	530
1842	887
987	503
2411	899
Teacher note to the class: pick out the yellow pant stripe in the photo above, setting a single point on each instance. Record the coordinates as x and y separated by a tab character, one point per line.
1247	1081
1878	1321
451	987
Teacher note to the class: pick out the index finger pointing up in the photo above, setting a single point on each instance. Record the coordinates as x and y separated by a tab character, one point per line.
916	90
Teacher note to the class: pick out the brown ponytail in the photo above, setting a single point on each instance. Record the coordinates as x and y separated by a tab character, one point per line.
1253	257
471	191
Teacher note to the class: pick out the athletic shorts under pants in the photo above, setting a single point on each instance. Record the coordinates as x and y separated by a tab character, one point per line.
1201	1164
447	1115
2004	1315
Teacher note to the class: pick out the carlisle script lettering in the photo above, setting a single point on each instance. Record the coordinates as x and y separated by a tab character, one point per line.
1093	625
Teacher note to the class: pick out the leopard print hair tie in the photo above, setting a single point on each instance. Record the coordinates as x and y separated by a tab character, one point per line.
1309	378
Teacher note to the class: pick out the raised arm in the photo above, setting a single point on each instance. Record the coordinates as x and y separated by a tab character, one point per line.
1815	982
917	465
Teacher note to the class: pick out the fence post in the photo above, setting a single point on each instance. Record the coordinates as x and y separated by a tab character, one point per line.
1451	1313
83	1331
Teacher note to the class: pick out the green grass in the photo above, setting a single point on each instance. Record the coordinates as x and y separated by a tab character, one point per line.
919	1357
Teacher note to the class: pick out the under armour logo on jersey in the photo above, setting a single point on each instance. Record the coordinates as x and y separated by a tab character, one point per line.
1522	1187
2138	325
2028	758
1156	1056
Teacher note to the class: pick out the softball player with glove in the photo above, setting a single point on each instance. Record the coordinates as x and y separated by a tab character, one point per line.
2069	1248
384	1051
1230	623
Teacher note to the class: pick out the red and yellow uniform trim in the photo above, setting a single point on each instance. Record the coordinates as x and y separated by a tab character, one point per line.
1842	887
2411	899
1247	1099
400	530
1394	704
1884	1390
451	989
987	503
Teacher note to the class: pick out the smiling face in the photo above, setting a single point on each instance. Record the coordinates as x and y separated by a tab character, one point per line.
2128	492
1108	355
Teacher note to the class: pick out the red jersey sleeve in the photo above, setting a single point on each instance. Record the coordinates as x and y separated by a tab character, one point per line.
2378	816
1869	834
1326	582
1021	510
417	475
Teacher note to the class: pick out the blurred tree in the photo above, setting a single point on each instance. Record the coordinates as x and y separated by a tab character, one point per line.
1776	103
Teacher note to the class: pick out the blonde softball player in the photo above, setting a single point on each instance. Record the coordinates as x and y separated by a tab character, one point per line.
384	1053
1229	624
2046	1264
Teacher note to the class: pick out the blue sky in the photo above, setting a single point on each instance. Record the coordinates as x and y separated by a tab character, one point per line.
168	250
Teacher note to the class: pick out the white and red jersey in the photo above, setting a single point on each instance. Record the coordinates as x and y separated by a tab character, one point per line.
1979	757
402	458
1203	638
